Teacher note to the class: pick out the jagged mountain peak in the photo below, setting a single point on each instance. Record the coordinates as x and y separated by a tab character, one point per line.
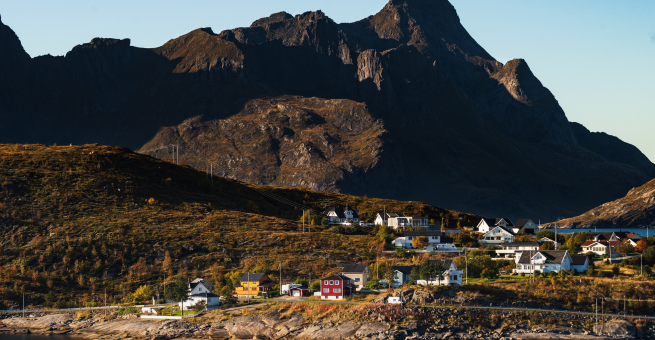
444	122
425	22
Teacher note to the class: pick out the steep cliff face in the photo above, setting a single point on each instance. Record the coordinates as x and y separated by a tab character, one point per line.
401	104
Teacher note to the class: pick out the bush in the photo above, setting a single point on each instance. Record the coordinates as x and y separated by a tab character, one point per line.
402	253
128	310
373	284
615	270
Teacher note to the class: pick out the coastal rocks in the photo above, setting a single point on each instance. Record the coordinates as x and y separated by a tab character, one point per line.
620	328
375	330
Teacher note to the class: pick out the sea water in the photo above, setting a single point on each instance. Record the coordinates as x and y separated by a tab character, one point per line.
639	231
35	337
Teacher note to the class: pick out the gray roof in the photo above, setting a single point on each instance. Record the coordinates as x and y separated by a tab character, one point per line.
198	281
578	260
521	222
446	263
404	269
204	295
339	211
552	256
423	233
354	268
253	277
522	244
444	239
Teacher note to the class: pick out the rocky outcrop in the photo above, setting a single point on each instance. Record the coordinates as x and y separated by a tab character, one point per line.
452	126
426	324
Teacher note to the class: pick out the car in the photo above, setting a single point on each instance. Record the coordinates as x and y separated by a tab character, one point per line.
395	300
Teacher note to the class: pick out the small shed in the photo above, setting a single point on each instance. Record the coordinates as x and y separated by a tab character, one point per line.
299	291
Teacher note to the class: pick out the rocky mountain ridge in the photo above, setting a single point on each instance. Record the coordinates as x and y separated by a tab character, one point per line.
635	210
403	104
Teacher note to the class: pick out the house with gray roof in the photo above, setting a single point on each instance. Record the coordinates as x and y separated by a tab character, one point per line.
340	215
359	273
543	261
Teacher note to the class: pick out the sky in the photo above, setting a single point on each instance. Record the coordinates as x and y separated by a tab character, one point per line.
596	56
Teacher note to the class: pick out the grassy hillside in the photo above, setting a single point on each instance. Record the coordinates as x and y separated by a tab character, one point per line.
81	219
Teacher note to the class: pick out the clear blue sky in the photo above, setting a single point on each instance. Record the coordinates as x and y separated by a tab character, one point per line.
596	56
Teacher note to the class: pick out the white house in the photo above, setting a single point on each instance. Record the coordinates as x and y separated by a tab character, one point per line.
580	263
407	221
616	236
338	215
525	226
487	224
450	275
434	237
600	248
199	289
382	218
498	235
515	248
543	261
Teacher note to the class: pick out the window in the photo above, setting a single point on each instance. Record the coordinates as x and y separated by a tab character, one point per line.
326	290
336	290
336	282
455	277
356	279
331	282
325	282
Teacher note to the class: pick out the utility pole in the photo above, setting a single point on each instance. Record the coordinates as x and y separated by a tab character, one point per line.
105	303
178	155
211	169
23	305
248	287
309	216
466	258
303	220
280	265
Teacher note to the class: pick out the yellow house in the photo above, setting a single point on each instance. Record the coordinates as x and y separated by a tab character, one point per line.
254	283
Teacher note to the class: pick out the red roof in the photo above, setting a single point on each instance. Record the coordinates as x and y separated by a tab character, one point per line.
604	243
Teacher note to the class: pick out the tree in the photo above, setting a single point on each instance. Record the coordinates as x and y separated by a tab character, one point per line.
641	246
420	242
50	299
384	233
649	254
615	269
414	275
316	286
625	248
390	275
547	246
545	233
437	270
227	296
425	271
178	291
302	281
200	306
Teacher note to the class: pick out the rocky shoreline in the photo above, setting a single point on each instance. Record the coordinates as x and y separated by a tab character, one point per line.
376	321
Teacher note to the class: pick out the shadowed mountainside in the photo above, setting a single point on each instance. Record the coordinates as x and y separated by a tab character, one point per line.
403	104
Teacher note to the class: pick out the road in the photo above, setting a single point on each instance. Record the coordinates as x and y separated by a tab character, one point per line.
336	302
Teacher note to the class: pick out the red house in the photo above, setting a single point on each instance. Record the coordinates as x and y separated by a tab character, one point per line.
336	286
